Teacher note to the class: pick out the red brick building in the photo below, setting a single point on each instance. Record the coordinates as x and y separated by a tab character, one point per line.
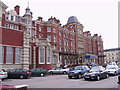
28	43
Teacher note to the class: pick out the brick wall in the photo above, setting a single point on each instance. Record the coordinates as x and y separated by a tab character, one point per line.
12	37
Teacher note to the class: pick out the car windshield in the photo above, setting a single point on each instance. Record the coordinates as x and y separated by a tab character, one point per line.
95	69
78	68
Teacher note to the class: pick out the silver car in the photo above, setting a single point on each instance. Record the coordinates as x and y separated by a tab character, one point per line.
59	70
3	74
112	69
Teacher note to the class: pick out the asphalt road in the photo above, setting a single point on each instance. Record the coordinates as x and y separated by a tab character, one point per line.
62	81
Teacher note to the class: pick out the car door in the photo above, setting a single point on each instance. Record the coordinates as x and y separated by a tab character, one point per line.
82	69
12	73
37	71
18	72
61	70
102	72
57	70
32	72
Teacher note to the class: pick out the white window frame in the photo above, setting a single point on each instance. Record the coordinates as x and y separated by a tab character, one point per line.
55	47
16	27
40	28
54	30
11	54
11	26
1	54
6	25
48	29
12	18
40	55
17	53
48	55
54	38
49	37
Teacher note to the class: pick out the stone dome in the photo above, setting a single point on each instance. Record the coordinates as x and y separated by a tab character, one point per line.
72	19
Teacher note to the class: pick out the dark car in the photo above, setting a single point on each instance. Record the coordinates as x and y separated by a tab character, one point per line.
7	87
119	79
38	72
19	73
96	73
78	71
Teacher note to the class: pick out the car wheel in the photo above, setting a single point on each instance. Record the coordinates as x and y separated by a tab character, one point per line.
64	72
98	78
115	73
107	75
21	76
50	72
85	79
79	75
41	74
70	77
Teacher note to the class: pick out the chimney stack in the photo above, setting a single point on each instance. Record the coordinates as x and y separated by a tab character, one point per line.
17	9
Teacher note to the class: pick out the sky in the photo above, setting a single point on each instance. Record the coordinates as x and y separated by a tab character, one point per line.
97	16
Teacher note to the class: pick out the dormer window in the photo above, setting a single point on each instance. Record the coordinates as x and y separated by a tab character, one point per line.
11	26
6	25
6	17
16	27
12	17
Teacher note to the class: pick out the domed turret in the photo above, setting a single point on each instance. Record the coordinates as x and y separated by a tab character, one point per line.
27	11
72	19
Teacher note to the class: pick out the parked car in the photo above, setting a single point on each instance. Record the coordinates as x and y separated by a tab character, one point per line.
112	69
3	74
118	79
96	73
59	70
38	72
7	87
19	73
90	65
78	71
103	64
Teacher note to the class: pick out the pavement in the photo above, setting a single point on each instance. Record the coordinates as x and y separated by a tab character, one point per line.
62	81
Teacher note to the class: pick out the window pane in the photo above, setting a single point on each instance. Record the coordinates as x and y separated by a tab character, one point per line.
48	29
17	56
49	38
1	54
41	55
11	26
9	55
48	55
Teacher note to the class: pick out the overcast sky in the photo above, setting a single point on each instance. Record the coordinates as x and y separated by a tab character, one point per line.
97	16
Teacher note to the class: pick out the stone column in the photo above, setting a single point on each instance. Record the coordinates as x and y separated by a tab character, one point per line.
25	51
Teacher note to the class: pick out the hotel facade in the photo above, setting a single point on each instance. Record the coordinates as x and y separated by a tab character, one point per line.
112	55
27	43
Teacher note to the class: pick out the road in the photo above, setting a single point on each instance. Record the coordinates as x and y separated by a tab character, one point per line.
61	81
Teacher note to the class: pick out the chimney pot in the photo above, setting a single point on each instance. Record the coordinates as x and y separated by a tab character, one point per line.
17	9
